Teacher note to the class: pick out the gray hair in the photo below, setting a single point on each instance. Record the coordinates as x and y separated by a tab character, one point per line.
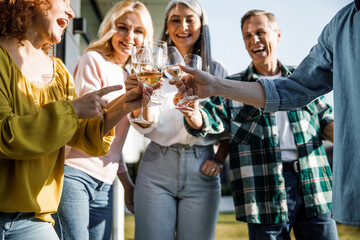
202	45
272	19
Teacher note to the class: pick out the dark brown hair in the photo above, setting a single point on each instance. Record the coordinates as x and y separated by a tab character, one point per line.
15	17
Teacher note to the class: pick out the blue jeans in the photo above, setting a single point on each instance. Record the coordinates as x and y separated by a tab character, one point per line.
25	226
321	227
172	196
85	210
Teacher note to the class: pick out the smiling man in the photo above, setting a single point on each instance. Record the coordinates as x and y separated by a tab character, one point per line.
280	176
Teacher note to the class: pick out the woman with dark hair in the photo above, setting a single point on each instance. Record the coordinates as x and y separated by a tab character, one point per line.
177	188
40	113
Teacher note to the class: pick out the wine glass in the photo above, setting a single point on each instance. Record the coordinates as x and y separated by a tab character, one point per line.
146	71
193	61
172	70
159	49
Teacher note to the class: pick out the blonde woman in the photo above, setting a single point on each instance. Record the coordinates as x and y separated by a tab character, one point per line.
85	210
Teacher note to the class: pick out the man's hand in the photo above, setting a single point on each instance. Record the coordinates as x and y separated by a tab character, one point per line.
196	82
91	104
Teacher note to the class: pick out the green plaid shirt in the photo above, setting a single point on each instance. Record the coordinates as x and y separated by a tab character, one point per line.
257	182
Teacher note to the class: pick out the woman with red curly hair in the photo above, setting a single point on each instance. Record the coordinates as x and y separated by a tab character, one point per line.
40	113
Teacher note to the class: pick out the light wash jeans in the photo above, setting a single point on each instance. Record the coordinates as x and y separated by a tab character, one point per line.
85	210
321	227
25	226
172	197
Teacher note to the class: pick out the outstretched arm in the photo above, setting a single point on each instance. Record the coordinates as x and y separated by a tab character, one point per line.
204	85
129	101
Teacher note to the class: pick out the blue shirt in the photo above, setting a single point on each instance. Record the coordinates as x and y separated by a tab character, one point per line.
332	64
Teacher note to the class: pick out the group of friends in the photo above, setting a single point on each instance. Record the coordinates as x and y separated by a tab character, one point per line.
62	134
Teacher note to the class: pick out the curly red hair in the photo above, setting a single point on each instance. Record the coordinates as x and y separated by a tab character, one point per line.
16	15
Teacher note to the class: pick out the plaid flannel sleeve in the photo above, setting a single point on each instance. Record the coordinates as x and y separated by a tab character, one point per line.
325	111
214	116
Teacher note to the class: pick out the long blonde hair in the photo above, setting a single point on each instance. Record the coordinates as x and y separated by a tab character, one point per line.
108	27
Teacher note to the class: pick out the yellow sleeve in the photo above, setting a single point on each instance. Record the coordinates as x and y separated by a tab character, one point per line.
89	137
38	134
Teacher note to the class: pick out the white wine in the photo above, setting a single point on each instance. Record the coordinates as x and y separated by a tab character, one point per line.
141	67
173	72
149	78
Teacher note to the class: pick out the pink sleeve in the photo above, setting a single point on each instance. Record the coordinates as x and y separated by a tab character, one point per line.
122	166
87	75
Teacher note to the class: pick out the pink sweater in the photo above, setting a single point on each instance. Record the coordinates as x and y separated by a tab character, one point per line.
94	72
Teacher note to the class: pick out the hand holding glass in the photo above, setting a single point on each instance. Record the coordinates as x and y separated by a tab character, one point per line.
194	61
159	49
146	72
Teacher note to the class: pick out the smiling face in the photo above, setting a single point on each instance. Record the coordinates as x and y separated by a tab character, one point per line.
184	28
261	39
130	32
49	25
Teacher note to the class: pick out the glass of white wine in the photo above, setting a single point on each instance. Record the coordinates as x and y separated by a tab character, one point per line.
146	72
172	70
159	50
193	61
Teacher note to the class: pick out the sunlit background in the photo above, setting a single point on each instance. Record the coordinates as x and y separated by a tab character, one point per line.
301	23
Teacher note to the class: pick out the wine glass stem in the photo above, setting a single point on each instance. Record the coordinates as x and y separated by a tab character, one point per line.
141	111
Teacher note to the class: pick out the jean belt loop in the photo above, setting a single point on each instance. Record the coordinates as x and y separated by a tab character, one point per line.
296	166
196	151
163	150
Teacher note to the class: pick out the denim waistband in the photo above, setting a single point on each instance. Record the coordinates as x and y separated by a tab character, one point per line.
16	215
182	147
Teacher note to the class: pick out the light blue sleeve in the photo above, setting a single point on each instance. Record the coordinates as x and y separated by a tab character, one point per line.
312	78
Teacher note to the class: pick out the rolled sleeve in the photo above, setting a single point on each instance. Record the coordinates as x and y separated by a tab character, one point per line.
204	130
272	103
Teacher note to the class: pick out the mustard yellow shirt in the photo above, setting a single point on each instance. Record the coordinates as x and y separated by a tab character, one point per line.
36	123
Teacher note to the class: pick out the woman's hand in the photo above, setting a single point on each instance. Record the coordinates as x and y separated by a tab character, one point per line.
188	105
91	105
191	112
132	82
136	96
211	167
129	199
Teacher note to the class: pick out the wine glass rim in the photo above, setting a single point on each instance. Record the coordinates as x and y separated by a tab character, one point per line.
192	54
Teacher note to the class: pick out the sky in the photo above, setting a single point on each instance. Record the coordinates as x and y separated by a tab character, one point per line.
301	23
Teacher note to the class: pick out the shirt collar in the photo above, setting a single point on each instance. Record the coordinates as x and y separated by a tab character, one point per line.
252	74
357	4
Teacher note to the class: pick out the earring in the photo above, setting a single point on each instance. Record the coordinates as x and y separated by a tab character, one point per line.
167	32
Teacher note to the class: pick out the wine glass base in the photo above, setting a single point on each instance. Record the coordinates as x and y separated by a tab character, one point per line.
153	104
183	104
184	108
139	120
158	96
188	99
